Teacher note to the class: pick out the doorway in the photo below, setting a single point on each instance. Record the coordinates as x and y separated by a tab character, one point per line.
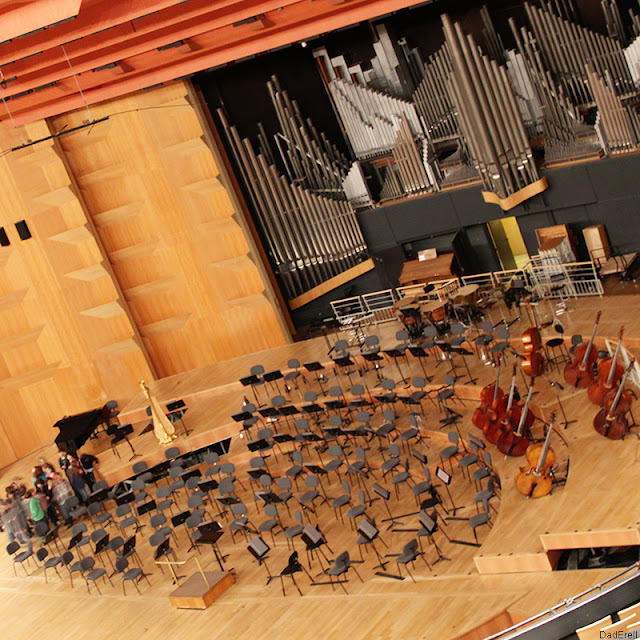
508	242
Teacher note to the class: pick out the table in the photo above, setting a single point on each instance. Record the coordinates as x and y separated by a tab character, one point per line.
425	271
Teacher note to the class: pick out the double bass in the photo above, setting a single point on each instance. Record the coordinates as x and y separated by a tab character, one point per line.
612	422
499	424
609	374
579	373
515	443
491	403
534	480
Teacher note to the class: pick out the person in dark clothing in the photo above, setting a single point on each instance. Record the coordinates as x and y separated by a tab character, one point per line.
88	462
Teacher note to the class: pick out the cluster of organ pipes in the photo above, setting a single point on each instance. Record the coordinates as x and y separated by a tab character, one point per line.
415	124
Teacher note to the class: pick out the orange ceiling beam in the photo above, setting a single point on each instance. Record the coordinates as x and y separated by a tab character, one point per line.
18	18
138	63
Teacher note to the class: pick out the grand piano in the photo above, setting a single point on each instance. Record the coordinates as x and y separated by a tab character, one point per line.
76	430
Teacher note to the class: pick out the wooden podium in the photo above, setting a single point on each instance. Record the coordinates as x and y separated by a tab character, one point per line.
201	589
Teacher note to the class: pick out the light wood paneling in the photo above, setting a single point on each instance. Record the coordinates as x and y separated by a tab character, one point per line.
59	307
157	196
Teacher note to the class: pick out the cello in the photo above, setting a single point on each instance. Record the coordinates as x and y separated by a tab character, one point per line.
579	373
533	363
534	480
499	423
515	443
612	422
609	373
490	402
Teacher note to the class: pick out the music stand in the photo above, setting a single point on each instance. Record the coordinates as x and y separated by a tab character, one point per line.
259	549
121	434
251	381
311	408
101	545
270	412
176	411
313	539
420	353
281	438
146	507
369	533
180	518
98	496
208	485
395	354
462	351
125	498
315	367
273	377
445	478
343	362
430	527
75	540
269	497
210	533
258	445
385	495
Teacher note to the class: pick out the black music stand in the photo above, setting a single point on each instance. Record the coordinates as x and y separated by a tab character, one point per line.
315	367
272	377
251	381
385	495
430	527
369	534
125	498
311	408
445	478
180	518
258	445
98	496
208	485
462	351
395	354
241	416
314	540
121	434
281	438
162	550
344	362
146	507
269	497
259	549
420	354
101	545
176	411
210	533
270	412
75	540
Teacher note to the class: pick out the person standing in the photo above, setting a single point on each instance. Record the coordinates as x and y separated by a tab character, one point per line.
76	480
87	463
61	491
15	523
38	505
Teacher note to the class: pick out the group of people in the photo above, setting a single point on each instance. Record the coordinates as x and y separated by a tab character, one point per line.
45	503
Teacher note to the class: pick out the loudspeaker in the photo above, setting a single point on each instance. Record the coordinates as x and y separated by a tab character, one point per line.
258	548
23	230
4	240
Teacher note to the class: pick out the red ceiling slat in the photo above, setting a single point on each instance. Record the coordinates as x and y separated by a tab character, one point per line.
295	22
18	18
122	42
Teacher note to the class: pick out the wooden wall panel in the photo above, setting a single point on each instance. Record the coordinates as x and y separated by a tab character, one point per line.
66	341
158	197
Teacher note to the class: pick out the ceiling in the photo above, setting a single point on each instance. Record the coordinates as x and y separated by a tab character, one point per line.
58	55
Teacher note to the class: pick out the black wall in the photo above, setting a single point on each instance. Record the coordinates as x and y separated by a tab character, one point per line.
603	192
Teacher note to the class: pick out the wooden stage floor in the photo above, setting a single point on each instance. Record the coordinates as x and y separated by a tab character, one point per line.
507	578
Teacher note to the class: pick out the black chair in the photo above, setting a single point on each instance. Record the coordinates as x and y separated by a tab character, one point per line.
51	563
409	555
293	566
19	558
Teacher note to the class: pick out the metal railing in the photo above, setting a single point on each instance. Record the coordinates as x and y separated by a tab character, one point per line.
548	279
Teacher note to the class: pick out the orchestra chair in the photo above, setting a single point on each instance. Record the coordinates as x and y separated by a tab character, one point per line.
18	557
478	520
410	553
135	574
428	528
51	563
341	566
93	573
293	566
294	375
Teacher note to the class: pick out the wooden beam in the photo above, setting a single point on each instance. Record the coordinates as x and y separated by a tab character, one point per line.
332	283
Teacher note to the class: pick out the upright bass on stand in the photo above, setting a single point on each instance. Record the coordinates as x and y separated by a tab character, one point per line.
579	373
612	422
609	373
